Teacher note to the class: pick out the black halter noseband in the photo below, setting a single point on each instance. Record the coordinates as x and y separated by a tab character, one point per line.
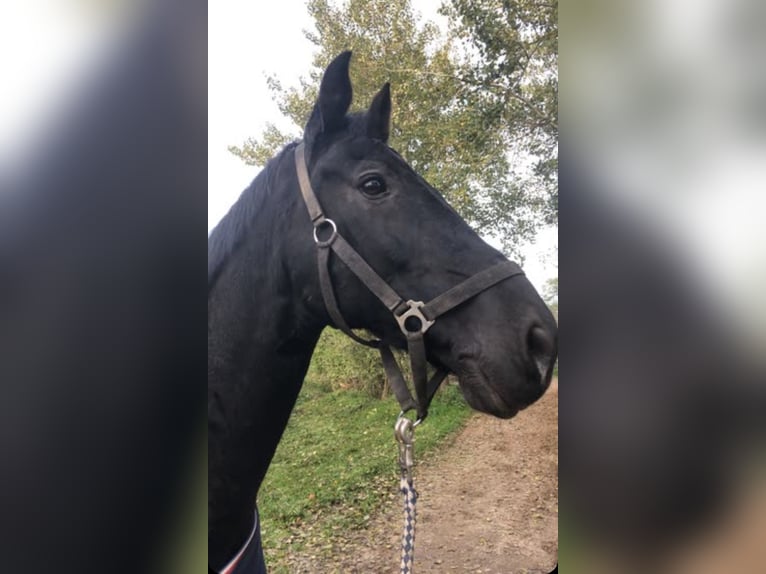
414	317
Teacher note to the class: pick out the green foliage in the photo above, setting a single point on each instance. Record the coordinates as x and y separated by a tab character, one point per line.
511	58
337	464
341	363
551	291
453	124
554	307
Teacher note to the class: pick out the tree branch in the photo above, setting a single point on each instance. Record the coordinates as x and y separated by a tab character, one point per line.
528	105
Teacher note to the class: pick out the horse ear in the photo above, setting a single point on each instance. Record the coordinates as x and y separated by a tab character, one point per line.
379	114
333	101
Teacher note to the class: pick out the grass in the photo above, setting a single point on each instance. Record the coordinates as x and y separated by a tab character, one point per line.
337	464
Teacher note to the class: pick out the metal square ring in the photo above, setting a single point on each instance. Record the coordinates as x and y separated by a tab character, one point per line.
414	311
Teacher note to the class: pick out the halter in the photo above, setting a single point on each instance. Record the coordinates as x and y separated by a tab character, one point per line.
413	317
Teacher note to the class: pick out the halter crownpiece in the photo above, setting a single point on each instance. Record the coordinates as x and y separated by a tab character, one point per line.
413	317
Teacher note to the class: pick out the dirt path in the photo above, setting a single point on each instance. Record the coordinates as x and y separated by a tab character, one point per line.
488	504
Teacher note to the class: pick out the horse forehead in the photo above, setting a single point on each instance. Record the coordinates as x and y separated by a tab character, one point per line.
362	148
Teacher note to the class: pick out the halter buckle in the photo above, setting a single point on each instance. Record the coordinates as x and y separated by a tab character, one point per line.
413	310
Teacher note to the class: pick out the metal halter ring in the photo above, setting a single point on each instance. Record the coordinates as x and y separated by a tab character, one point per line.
413	311
333	235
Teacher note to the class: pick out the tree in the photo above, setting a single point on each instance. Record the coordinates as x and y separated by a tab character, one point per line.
551	290
446	119
510	57
551	295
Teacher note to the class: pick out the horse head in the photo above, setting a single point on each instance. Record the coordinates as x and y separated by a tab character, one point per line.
502	342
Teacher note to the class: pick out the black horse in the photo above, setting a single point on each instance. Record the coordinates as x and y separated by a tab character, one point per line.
266	310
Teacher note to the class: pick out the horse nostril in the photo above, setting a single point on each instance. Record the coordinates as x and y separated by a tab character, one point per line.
541	347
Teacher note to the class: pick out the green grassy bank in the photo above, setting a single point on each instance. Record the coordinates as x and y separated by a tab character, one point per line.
337	464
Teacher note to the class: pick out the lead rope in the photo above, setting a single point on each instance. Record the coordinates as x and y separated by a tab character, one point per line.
404	431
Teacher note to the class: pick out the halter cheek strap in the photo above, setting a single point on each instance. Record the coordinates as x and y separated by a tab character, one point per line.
413	317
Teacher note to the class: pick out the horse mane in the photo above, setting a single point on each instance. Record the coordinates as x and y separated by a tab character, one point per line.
231	231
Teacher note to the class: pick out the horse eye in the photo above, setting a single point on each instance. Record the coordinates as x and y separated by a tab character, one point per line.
373	185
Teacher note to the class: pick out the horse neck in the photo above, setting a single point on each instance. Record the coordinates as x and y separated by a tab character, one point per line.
260	341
